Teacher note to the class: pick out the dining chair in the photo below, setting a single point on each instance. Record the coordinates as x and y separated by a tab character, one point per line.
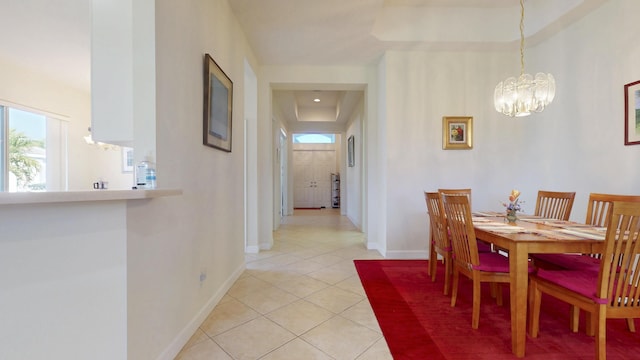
554	204
611	293
598	214
440	243
488	267
482	246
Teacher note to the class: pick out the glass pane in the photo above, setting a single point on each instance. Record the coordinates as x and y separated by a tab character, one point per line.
314	138
27	151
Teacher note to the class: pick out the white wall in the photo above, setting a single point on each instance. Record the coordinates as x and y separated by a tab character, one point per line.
576	144
173	240
351	180
62	281
251	155
279	127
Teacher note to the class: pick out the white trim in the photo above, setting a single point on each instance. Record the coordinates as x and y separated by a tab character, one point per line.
46	113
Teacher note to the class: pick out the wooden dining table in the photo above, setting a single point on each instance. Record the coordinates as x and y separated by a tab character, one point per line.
529	235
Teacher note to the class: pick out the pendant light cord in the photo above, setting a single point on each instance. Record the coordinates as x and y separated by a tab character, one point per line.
521	37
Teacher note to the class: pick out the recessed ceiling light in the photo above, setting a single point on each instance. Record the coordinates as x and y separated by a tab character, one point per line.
316	100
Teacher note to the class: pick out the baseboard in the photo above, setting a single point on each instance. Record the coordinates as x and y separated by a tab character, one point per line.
407	254
183	337
254	249
354	222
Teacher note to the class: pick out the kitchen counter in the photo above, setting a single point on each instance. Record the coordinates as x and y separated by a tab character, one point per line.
81	196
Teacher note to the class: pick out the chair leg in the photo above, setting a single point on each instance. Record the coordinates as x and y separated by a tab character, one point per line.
601	333
535	299
631	325
492	289
433	261
475	319
592	324
447	274
498	294
454	287
574	319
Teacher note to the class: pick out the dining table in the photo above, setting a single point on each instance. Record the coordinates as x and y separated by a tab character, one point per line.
531	235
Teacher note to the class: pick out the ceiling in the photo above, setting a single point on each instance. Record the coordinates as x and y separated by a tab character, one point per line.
53	37
357	32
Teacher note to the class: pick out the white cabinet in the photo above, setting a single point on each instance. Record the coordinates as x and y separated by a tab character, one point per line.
312	171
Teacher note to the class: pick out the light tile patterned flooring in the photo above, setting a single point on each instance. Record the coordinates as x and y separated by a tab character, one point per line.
300	300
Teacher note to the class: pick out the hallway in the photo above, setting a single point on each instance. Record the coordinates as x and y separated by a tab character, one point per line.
300	300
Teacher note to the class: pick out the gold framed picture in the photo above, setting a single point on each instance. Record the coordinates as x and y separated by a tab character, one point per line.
457	132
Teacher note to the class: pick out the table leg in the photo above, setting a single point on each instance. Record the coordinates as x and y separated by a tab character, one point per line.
518	269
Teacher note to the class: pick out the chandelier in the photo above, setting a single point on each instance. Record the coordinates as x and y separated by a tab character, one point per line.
526	94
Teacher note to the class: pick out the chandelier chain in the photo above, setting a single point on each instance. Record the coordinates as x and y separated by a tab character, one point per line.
521	37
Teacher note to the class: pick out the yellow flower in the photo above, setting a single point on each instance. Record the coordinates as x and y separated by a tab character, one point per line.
514	195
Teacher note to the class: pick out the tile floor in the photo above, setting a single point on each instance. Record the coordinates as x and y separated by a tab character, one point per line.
300	300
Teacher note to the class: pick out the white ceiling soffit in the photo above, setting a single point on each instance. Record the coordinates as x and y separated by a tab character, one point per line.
330	32
302	114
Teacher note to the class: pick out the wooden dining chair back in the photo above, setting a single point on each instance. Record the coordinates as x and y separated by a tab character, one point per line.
554	204
479	267
600	206
466	192
463	240
440	244
612	292
482	247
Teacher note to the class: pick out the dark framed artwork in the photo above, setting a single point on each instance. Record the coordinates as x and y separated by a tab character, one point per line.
351	155
457	132
218	100
632	113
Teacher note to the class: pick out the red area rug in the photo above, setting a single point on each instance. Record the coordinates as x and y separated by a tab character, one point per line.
418	321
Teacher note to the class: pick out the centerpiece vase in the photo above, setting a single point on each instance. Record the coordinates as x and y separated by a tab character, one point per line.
511	216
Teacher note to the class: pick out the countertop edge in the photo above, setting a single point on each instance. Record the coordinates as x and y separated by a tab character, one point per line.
18	198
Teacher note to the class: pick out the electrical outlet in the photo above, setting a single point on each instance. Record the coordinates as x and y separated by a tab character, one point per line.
203	276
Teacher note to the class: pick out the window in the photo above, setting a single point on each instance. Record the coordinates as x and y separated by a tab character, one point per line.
32	152
314	138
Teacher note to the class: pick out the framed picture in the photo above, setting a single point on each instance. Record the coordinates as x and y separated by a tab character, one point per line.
127	159
632	113
351	152
457	132
218	100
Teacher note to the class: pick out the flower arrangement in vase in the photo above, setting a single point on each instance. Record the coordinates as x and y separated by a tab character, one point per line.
513	206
